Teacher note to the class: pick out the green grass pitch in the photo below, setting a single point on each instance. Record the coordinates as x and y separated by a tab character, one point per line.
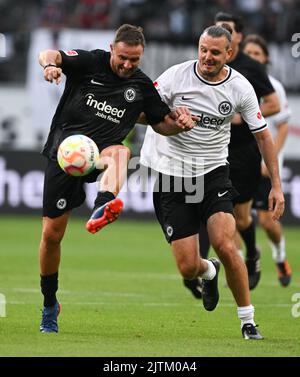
121	295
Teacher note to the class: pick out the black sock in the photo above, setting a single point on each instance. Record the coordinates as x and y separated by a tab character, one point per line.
204	241
49	286
248	235
102	198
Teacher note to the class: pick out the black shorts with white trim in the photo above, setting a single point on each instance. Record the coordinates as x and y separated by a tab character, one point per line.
178	214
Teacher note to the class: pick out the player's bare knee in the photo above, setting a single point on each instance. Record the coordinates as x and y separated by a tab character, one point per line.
52	236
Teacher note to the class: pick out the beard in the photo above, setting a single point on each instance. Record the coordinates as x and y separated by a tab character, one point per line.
213	73
210	74
125	73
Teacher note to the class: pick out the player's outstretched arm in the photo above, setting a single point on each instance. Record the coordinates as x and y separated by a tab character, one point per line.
267	148
51	61
178	120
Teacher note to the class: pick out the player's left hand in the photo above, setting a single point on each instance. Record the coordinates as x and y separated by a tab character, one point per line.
183	118
276	203
185	122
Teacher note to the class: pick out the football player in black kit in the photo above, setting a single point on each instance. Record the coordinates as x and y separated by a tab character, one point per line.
105	93
244	156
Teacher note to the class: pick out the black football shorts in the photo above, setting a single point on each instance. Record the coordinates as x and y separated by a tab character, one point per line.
179	218
63	192
261	197
245	171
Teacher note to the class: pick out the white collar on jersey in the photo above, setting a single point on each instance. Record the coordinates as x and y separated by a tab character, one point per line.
213	83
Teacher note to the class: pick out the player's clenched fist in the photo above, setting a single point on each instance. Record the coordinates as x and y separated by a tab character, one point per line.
185	122
183	117
53	74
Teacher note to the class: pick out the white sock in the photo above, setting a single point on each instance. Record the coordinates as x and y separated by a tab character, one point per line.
246	314
278	251
210	273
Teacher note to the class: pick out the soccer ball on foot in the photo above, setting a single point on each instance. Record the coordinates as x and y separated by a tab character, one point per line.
77	155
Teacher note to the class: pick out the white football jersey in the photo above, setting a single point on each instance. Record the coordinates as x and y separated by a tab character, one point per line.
205	147
283	116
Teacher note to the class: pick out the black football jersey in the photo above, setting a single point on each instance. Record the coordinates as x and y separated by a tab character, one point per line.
256	74
98	103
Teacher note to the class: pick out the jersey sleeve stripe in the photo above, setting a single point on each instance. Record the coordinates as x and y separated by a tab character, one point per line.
260	128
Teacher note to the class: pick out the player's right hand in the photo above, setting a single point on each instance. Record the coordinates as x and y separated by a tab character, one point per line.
276	203
53	74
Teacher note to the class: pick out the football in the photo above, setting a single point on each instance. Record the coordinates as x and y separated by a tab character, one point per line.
77	155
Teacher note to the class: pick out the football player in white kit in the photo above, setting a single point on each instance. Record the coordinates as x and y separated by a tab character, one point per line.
198	159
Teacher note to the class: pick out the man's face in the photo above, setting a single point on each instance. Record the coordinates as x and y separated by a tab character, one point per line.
213	54
125	58
236	37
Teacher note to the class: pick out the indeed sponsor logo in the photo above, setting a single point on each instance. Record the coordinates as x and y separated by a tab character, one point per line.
212	123
206	120
103	106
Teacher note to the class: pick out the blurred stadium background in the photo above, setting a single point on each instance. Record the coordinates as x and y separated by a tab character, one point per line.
27	104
